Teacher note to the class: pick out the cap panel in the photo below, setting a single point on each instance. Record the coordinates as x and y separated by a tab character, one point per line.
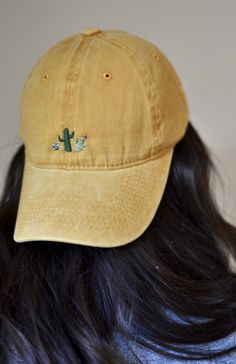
167	97
75	94
42	99
174	109
113	113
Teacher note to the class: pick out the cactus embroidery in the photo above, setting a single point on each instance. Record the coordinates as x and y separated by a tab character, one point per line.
66	139
80	144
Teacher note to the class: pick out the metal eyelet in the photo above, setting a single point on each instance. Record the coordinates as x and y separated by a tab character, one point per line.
107	75
155	56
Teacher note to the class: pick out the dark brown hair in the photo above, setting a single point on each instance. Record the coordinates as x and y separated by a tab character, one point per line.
63	303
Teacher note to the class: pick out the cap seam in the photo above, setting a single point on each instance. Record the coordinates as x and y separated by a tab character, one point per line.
175	77
68	84
178	86
83	49
155	109
101	168
67	95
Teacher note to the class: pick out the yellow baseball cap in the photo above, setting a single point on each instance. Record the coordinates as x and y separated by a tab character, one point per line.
100	114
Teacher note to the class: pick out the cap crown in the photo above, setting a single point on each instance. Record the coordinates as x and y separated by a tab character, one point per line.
101	100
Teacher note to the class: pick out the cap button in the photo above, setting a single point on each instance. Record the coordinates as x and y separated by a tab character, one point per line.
91	31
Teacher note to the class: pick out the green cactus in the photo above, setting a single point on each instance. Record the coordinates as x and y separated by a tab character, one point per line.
66	139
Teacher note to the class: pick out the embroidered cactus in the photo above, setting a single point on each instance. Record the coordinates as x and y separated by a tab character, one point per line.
66	139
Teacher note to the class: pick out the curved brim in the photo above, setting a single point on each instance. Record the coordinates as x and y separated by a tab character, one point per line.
95	208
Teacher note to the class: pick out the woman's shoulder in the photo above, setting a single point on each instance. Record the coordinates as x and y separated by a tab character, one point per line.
130	350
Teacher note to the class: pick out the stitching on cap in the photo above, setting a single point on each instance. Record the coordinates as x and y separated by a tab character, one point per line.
173	74
85	44
156	115
68	86
71	71
132	163
143	74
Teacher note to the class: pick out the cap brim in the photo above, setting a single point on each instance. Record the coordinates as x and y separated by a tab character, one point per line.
106	208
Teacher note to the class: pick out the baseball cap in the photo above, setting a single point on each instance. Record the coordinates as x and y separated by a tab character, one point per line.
100	114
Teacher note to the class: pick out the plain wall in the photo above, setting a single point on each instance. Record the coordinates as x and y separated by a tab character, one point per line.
197	36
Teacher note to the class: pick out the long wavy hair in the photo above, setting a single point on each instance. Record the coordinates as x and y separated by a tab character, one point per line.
64	303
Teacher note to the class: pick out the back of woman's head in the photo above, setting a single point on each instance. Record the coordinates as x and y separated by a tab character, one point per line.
65	303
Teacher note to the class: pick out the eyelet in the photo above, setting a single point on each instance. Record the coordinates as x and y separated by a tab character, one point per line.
45	76
107	75
155	56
